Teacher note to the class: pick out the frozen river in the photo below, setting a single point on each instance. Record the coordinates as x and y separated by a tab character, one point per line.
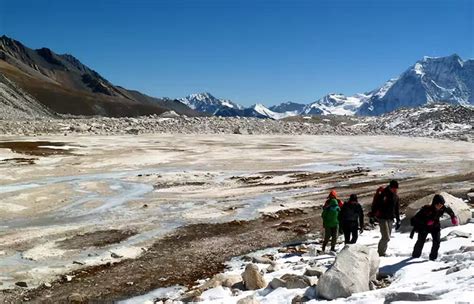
143	187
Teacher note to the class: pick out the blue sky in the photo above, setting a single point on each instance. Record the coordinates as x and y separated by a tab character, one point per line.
248	51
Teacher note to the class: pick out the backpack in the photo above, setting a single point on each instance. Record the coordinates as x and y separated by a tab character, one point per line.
377	202
330	216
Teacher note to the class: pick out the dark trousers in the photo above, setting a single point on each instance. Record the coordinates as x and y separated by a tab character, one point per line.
436	235
350	229
330	233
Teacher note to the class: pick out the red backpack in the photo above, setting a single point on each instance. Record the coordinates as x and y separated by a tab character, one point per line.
377	202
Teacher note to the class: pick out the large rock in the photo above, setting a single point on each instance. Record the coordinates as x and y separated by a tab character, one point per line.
461	209
252	277
293	281
354	268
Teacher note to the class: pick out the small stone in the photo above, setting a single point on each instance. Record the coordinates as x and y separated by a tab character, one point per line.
315	272
21	284
47	285
262	260
115	256
76	298
456	268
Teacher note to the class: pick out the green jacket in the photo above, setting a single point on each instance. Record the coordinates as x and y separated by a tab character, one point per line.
331	214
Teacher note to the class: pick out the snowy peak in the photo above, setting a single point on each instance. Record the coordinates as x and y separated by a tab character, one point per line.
432	79
206	102
337	104
264	111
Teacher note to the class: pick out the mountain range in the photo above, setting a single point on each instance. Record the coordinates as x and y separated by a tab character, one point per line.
40	78
39	82
430	80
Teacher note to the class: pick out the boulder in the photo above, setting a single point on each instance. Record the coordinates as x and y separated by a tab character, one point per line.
248	300
293	281
252	277
354	268
460	208
315	272
277	283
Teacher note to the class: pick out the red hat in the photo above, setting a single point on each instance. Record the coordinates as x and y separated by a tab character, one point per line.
333	194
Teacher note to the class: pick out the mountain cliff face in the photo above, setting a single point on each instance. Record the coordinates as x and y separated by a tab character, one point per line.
65	85
443	79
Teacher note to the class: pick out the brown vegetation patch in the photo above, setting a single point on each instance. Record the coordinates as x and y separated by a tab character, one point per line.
35	148
100	238
19	161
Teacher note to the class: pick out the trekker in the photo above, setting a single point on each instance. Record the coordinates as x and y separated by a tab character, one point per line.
333	195
426	221
331	224
386	207
351	219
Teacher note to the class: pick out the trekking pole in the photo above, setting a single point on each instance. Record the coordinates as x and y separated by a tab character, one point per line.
412	233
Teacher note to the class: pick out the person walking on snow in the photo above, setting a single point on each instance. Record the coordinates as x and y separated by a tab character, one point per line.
333	195
386	207
351	219
330	217
426	221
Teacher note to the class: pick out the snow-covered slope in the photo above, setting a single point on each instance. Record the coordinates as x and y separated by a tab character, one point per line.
264	111
432	79
337	104
450	279
205	102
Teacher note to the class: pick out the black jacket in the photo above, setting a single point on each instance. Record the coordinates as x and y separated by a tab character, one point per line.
387	206
429	213
351	212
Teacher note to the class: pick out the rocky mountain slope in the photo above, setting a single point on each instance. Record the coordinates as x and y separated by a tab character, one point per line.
16	103
65	85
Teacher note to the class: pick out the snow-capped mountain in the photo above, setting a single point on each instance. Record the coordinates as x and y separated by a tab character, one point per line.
264	111
288	107
432	79
337	104
205	102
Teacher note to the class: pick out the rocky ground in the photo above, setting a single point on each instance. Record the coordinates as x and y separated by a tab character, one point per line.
437	121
